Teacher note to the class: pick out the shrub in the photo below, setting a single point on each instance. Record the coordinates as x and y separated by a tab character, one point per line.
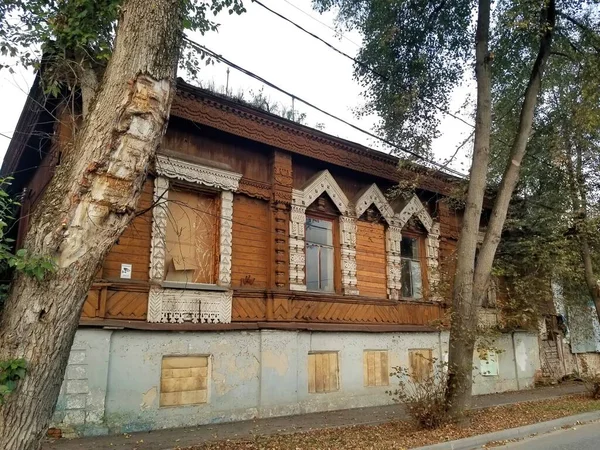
423	396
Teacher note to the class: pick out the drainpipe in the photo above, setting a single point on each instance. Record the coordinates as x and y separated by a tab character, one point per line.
514	348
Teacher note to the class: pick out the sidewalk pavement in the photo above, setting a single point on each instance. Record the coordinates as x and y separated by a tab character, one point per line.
184	437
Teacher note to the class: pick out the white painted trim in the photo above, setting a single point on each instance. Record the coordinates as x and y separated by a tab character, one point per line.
197	173
374	196
178	305
303	198
414	208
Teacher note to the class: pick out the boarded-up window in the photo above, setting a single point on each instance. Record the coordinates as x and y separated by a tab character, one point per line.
250	246
371	259
375	368
323	372
191	237
421	364
184	380
488	363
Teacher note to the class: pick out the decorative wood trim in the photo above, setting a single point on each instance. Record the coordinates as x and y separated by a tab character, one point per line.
178	305
282	183
393	239
432	253
204	108
348	255
374	196
178	169
237	326
303	198
254	188
323	182
414	208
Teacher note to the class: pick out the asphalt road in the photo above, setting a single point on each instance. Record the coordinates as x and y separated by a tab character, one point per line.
579	437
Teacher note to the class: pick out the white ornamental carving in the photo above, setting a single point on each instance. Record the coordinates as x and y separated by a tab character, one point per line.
301	199
348	255
374	196
432	253
196	173
414	208
394	262
179	305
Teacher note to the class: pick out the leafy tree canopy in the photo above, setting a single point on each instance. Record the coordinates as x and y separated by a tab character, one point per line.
74	34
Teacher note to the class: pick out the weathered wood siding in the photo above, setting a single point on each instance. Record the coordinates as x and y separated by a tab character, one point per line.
371	259
250	249
133	247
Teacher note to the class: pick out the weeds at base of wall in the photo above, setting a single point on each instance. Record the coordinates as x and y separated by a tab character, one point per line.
424	395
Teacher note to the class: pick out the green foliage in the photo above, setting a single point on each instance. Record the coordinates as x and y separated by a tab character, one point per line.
73	34
11	372
418	50
35	266
557	199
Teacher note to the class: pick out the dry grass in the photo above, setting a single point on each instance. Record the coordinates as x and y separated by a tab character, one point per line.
403	435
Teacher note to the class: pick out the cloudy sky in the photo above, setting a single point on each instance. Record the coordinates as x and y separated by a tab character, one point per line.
289	58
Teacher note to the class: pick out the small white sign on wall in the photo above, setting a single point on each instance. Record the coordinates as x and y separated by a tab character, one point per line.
488	364
126	271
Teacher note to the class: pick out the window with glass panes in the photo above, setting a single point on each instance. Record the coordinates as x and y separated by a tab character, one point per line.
412	283
319	254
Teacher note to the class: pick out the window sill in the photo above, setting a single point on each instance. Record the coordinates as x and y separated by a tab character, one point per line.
193	286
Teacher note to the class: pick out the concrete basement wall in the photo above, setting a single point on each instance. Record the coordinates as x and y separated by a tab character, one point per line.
113	381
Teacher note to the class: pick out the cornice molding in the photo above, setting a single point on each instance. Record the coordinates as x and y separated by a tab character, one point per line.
195	173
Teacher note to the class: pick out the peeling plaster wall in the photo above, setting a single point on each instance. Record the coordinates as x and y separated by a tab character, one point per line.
112	384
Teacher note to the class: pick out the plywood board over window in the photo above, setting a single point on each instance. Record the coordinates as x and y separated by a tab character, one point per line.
376	371
421	364
184	380
191	237
371	259
323	372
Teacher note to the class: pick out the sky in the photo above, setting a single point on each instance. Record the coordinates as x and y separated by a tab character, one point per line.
277	51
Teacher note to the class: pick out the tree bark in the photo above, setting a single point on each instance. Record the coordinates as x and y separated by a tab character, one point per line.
464	316
471	282
87	205
580	208
518	149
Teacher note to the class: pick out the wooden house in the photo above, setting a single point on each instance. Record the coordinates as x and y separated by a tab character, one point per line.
271	270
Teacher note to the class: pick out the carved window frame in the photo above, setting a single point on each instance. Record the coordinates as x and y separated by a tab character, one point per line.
302	199
168	301
396	221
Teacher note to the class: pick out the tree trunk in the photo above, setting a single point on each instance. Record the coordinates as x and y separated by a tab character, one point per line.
471	283
513	167
87	205
464	316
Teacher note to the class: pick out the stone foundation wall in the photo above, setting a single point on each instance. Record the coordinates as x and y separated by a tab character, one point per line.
117	379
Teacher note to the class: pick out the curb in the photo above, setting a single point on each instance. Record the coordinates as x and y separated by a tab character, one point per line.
475	442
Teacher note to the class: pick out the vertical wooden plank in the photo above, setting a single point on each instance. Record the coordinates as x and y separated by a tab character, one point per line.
377	368
366	368
326	372
385	371
371	368
102	304
318	372
311	373
334	375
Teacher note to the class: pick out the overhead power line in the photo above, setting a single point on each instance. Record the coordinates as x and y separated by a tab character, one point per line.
311	105
322	23
385	78
360	63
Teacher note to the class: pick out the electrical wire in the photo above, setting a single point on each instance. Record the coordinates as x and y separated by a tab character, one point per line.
251	74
